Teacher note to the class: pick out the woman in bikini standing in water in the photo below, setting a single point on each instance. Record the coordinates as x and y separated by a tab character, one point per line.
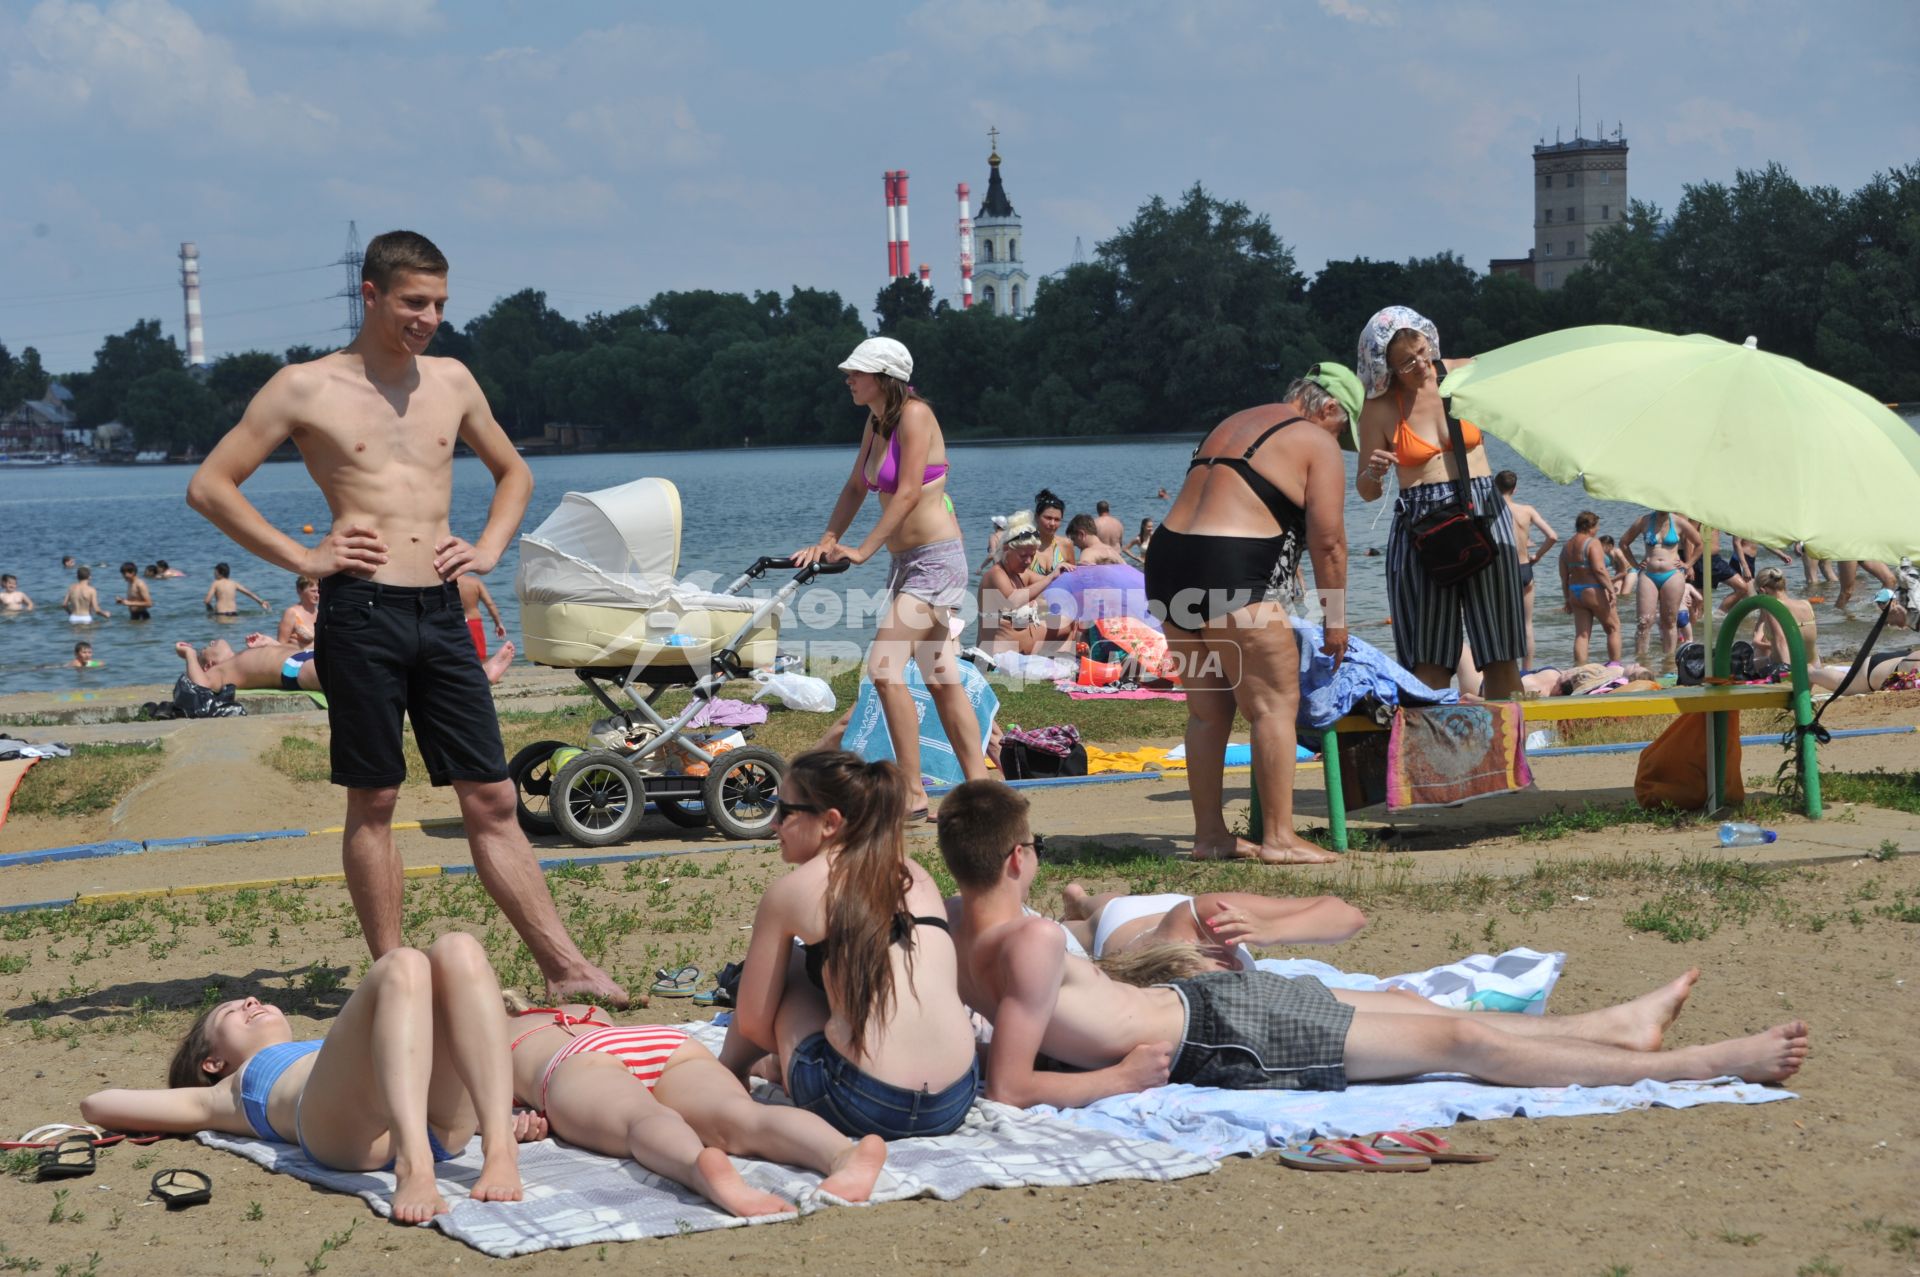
1669	544
1404	430
1583	566
903	458
1267	484
865	1017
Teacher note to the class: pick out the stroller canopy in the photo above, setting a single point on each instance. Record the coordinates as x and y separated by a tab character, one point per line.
618	547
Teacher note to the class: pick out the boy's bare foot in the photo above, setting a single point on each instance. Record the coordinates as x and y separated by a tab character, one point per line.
499	1177
1772	1056
416	1198
1295	851
854	1173
1073	903
718	1182
590	984
1645	1020
497	662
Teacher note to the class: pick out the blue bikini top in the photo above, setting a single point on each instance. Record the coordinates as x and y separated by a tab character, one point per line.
257	1079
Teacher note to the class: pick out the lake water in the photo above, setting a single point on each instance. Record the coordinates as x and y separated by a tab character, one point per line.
737	506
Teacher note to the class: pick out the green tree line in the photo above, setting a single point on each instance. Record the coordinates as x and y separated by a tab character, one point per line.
1192	310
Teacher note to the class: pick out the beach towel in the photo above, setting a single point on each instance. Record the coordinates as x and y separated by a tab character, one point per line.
1447	755
12	772
723	712
1365	678
1081	692
866	733
1216	1123
576	1198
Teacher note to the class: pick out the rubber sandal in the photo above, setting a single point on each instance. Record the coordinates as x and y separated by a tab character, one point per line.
72	1156
679	983
1424	1144
1348	1155
181	1188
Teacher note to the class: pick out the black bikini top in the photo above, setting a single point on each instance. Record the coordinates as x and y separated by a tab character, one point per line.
1279	504
903	925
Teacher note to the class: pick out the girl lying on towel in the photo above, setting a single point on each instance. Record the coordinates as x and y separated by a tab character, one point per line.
415	1062
650	1092
865	1015
1220	924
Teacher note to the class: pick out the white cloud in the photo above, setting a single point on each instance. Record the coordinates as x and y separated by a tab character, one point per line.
641	132
576	202
518	145
398	17
1028	35
150	66
1358	14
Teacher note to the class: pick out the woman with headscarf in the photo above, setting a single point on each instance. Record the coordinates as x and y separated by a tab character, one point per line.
1405	430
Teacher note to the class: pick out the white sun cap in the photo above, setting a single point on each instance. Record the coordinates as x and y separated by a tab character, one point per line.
881	355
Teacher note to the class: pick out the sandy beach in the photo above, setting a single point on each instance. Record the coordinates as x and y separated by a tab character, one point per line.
1819	927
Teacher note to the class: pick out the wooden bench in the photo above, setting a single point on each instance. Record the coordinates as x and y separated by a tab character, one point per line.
1666	703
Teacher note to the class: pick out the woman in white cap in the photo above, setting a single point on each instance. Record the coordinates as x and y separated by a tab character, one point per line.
903	457
1404	431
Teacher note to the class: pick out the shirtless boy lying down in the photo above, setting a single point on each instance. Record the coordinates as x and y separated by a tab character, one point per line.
1256	1030
264	665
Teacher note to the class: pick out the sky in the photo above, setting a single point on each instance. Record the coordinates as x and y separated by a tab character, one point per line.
605	152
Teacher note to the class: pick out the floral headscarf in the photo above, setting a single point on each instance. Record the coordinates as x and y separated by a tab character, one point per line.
1372	361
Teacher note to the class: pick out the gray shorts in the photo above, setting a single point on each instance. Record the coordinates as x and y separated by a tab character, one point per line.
1256	1031
936	572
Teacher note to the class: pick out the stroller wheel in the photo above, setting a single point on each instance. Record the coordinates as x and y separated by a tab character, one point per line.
688	813
598	799
741	790
532	774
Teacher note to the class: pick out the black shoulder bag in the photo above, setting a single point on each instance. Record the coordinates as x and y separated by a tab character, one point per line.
1452	541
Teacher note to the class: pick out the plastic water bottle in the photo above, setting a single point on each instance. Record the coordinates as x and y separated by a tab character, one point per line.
1737	833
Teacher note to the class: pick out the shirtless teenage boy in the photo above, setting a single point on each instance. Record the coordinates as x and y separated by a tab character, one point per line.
81	602
222	596
12	597
1250	1030
1525	520
138	600
376	424
264	665
1090	547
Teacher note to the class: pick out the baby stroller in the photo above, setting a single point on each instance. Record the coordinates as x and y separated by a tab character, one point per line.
599	596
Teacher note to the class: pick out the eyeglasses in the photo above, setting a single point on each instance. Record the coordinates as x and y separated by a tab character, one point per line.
1037	842
783	809
1417	361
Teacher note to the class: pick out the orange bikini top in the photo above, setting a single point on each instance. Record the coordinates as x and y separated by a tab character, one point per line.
1409	449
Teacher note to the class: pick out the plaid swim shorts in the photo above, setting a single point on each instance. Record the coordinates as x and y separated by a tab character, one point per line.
1256	1031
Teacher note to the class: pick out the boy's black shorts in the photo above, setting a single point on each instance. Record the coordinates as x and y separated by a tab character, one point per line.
384	650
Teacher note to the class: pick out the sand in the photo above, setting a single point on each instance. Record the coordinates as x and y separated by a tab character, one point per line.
1713	1190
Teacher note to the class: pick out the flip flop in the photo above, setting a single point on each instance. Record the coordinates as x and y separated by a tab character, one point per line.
181	1188
72	1156
1347	1155
678	983
1422	1143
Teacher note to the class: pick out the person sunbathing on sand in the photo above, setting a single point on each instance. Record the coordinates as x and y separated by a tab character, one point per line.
652	1093
411	1067
1250	1030
1220	924
265	665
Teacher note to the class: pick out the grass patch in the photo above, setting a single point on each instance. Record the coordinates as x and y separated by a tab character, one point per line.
1897	791
94	778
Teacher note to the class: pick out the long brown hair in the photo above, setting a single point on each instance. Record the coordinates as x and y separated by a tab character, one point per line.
895	395
867	886
184	1068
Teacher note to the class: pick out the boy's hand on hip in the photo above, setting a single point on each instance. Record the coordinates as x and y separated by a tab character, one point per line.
353	549
455	556
1148	1065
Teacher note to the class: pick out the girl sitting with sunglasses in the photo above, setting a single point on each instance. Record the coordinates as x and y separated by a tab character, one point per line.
865	1013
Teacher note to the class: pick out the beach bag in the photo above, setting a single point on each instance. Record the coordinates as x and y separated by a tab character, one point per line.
1673	770
190	700
1451	541
1042	752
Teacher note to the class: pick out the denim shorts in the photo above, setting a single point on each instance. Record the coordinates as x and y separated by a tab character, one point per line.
826	1083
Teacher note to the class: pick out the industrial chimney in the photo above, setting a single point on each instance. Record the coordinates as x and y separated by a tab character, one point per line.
966	249
190	286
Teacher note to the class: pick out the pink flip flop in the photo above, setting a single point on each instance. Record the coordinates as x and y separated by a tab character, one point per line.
1348	1155
1424	1144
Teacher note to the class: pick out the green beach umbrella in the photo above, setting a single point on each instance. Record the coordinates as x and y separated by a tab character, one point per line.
1754	443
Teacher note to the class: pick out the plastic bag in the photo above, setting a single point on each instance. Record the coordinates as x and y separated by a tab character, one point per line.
797	691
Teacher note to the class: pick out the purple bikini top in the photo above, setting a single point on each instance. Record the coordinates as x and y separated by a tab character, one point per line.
888	480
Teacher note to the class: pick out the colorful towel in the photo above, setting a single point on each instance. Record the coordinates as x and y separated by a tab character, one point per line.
723	712
1081	692
12	772
1102	761
866	733
1216	1123
1445	755
577	1198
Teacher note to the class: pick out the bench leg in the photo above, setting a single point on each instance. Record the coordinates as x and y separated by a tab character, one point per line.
1809	753
1256	821
1336	796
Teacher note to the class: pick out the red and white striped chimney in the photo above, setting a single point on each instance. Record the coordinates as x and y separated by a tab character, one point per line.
966	248
893	225
190	285
906	259
926	275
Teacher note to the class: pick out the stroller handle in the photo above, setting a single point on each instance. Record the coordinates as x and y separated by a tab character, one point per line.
763	565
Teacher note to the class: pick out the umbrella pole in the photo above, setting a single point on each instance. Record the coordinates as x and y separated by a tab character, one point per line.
1706	619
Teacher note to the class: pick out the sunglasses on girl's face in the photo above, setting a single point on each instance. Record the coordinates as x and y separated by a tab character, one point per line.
783	809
